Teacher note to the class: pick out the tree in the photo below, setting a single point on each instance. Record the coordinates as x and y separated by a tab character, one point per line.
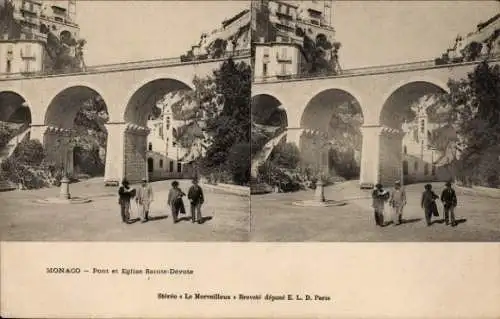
238	163
66	54
8	25
228	113
475	114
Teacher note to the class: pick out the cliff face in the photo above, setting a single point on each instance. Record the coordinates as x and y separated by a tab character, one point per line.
233	35
480	43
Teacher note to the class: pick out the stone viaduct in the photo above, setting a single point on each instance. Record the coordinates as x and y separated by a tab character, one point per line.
129	90
378	92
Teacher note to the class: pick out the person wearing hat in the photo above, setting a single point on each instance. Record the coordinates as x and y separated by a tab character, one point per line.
379	196
397	201
428	203
144	198
175	201
196	198
449	200
125	193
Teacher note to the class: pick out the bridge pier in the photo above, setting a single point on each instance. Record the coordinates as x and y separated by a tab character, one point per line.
391	156
135	152
370	150
58	148
125	153
115	153
381	156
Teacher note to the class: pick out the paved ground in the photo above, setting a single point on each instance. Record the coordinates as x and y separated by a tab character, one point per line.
274	218
22	219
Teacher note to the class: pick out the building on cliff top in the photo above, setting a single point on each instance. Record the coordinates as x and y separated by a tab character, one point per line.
280	52
27	53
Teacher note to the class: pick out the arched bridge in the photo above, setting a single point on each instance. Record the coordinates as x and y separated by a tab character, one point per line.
129	90
378	93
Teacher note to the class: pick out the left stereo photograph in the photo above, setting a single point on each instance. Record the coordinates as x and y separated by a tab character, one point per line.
120	131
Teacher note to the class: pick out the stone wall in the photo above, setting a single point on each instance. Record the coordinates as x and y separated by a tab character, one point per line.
135	156
390	155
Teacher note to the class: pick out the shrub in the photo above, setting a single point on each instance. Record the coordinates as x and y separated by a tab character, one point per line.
26	166
286	156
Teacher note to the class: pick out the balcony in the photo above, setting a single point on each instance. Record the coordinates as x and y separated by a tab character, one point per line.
59	20
57	9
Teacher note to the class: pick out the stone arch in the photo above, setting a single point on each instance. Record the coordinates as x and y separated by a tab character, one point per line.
268	110
60	117
332	114
14	107
143	98
321	107
66	103
399	98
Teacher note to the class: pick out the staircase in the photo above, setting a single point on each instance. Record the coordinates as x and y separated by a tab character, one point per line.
255	186
264	154
7	151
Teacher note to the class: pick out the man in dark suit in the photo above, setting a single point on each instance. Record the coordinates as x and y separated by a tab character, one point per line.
195	196
125	193
449	199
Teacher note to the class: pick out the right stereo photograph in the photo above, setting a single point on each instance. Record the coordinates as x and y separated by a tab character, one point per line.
375	121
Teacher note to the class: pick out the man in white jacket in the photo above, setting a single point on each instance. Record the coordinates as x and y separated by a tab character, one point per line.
143	199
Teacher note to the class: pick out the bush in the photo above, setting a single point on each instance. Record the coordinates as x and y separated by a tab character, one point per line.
27	167
285	180
88	161
286	156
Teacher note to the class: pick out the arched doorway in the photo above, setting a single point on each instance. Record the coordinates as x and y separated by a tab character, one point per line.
150	165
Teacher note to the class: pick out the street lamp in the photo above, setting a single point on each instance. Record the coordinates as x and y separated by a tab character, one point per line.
64	192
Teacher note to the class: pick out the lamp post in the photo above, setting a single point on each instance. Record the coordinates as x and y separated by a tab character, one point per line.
319	194
64	191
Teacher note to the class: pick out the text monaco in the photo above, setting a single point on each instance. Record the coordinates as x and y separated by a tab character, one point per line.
123	271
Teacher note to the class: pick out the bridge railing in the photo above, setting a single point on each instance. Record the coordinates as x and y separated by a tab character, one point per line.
371	70
129	65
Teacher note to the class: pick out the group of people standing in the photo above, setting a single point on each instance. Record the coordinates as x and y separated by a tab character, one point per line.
397	201
144	197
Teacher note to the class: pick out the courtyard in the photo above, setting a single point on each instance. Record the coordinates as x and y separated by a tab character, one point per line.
22	219
276	219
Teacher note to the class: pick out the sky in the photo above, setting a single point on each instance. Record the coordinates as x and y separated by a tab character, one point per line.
120	31
391	32
371	32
